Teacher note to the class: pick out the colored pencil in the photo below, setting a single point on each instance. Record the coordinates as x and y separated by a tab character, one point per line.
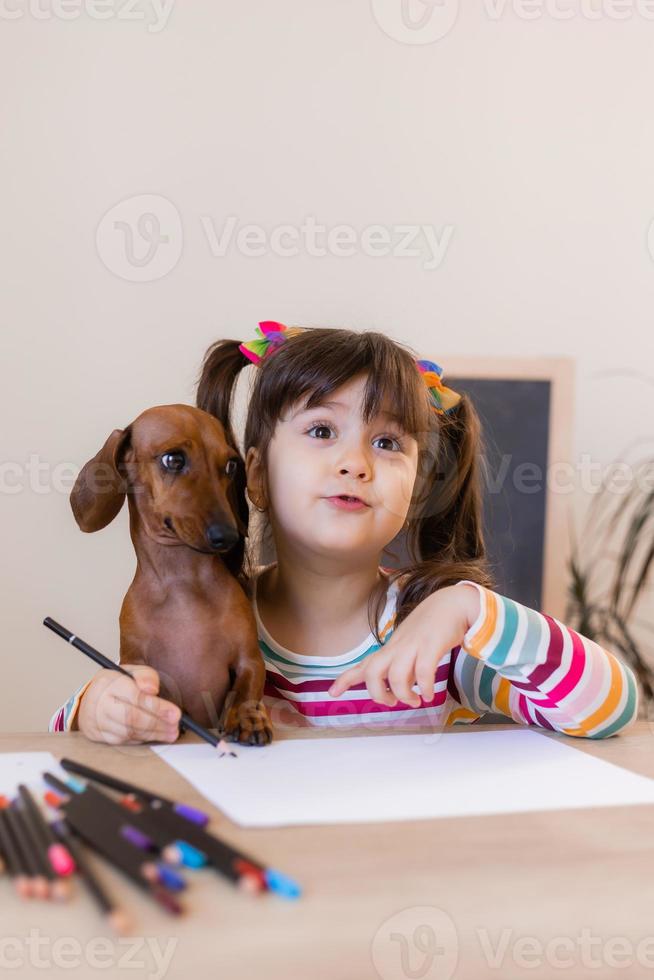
37	853
166	826
102	661
15	865
89	818
117	918
58	784
38	882
121	855
188	812
56	859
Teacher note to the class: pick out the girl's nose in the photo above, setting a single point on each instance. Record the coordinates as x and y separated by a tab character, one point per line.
354	457
356	463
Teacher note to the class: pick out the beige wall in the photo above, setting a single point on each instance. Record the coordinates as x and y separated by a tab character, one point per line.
525	146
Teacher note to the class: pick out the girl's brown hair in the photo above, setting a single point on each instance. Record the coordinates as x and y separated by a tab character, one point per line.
445	540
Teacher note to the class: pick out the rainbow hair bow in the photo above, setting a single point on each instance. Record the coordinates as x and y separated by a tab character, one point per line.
443	399
272	335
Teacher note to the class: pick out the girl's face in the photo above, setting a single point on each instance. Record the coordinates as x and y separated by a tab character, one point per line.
328	451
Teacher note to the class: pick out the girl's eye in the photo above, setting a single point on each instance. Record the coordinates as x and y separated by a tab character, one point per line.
318	425
326	425
392	439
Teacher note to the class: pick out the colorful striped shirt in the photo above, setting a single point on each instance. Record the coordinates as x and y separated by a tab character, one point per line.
513	661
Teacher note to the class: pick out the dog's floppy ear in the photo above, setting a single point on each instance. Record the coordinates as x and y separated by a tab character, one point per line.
100	488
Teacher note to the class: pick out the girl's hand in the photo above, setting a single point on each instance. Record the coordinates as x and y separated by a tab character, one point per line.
415	649
118	709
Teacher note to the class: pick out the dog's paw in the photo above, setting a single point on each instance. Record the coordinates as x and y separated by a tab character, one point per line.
248	723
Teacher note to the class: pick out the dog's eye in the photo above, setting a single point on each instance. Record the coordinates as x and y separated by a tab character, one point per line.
231	467
173	462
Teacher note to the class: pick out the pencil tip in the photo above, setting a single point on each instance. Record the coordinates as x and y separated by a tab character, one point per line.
165	899
41	887
23	886
120	922
62	890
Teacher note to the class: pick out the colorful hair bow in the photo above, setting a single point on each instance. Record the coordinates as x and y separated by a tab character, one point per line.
443	399
272	335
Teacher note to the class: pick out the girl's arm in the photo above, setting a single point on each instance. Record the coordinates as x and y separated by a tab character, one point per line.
504	657
533	668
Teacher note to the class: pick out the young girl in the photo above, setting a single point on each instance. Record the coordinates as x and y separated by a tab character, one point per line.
349	440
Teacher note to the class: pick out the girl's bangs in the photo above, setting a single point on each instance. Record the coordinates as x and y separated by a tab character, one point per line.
314	364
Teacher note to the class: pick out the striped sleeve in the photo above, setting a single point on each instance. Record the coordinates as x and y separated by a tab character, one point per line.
524	664
63	718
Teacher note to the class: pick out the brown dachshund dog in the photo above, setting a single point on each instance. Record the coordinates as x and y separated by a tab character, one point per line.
186	612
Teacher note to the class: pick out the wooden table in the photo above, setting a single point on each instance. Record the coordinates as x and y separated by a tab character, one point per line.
555	894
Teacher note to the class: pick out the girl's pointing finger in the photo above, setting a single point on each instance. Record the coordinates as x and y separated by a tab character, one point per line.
346	680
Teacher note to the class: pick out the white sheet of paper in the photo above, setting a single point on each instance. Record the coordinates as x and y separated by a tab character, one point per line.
402	777
27	767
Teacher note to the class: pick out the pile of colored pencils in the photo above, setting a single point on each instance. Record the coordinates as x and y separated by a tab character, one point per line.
144	835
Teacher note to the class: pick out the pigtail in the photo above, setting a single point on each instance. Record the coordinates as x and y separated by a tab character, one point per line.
221	366
449	528
445	538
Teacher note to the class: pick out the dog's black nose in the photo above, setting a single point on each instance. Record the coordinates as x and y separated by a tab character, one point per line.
221	537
